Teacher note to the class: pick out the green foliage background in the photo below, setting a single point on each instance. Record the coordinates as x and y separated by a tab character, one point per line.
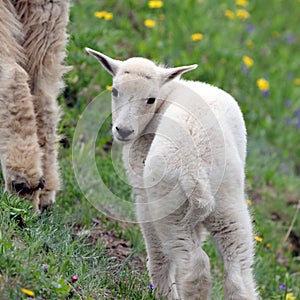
43	253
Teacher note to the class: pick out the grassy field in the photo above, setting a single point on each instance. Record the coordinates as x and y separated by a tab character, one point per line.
250	49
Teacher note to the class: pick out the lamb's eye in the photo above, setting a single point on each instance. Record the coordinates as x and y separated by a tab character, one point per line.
115	92
150	100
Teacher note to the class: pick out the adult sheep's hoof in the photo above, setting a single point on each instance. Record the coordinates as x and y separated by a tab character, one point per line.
21	187
46	200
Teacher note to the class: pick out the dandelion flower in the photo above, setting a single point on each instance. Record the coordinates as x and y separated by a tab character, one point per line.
149	23
290	296
104	15
242	14
109	87
108	16
155	4
229	14
28	292
248	61
100	14
241	2
197	37
263	84
258	239
297	81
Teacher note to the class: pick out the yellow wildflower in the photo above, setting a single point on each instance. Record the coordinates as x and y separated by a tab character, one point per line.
155	4
290	296
248	61
297	81
197	37
263	84
229	14
109	87
149	23
242	14
249	43
100	14
108	16
249	202
79	117
241	2
258	239
104	15
268	245
28	292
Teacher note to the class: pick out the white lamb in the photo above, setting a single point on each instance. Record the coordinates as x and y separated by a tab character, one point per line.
184	152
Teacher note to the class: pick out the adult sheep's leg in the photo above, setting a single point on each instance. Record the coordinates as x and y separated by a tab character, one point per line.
19	149
231	229
44	24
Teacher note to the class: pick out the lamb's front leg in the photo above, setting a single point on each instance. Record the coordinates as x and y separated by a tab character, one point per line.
158	264
231	229
44	24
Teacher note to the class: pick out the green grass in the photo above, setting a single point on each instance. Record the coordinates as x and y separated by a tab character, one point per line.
43	253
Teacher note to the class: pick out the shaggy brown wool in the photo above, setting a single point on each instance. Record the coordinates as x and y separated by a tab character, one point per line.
32	50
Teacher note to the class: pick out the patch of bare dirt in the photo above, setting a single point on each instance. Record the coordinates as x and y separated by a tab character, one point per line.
118	250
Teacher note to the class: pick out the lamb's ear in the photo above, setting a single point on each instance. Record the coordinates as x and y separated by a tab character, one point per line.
111	65
171	73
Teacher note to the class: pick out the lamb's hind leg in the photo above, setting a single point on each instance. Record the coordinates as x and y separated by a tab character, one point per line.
19	149
232	231
44	24
189	264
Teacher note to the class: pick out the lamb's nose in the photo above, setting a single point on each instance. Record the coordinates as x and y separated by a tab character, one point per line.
123	132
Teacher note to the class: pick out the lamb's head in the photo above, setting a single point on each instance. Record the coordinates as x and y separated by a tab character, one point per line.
136	92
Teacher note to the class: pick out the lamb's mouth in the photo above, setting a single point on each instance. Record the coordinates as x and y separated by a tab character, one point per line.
119	139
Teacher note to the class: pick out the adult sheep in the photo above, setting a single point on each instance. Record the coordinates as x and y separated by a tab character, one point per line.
184	152
32	49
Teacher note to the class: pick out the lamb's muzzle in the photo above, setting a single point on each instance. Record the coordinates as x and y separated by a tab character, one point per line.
124	133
